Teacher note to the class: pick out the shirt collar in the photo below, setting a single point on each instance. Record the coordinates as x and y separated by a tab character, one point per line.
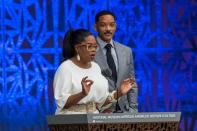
103	43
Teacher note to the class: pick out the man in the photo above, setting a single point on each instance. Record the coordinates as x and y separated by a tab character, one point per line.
115	60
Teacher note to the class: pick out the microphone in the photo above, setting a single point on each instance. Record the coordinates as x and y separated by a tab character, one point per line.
117	108
107	73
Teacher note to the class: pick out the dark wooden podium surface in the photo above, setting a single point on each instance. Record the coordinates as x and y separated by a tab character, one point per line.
152	121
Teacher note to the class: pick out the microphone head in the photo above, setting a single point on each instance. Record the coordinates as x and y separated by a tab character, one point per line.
106	72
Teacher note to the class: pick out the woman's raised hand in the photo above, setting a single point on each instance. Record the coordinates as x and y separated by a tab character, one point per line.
125	86
86	85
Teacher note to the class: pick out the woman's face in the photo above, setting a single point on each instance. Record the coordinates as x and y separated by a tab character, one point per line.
87	49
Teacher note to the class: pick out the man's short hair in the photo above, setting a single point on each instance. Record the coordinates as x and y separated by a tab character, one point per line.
104	12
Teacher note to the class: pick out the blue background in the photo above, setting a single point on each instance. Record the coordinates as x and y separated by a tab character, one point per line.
161	33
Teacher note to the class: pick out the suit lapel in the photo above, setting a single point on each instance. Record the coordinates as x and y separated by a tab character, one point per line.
121	61
101	60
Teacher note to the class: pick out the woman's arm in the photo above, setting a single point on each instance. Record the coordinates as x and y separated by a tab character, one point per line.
74	99
125	86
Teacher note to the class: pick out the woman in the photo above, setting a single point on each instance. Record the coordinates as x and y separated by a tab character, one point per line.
79	86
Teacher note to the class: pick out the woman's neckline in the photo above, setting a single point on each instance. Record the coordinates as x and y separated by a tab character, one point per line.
86	68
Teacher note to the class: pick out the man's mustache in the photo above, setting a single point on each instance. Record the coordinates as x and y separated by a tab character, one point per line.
106	33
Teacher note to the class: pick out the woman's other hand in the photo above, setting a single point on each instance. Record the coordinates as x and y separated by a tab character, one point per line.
125	86
86	85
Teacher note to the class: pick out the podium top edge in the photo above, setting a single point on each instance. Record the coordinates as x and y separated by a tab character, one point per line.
114	113
114	118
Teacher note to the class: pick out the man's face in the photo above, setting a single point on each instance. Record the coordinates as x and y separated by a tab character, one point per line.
105	27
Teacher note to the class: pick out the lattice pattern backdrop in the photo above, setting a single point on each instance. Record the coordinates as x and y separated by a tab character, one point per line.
161	33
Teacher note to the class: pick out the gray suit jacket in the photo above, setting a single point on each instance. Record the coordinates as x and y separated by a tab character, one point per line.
128	103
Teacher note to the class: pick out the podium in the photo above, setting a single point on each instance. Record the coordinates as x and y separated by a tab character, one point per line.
152	121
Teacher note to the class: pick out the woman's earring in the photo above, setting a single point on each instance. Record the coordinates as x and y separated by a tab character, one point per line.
78	57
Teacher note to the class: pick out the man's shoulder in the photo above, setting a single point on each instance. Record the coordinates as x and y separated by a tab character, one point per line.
121	46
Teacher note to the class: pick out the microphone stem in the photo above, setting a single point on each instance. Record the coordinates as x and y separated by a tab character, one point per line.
117	109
